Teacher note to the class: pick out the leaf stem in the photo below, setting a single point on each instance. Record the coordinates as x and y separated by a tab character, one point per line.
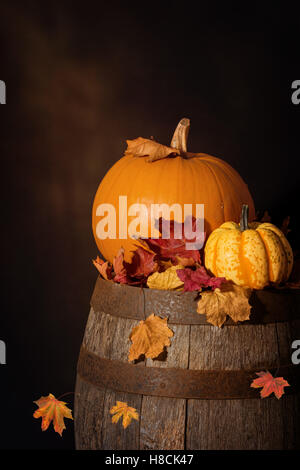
64	394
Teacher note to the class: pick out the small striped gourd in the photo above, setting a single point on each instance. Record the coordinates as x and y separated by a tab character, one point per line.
251	255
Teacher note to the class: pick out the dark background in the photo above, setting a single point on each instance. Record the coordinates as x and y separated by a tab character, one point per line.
80	81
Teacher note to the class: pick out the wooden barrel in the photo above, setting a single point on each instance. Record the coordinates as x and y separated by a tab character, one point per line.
195	395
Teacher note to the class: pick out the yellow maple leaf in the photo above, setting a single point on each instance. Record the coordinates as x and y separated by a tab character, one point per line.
229	299
52	409
141	147
122	409
149	337
165	280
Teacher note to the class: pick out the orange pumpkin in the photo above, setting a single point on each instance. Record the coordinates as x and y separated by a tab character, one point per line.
172	176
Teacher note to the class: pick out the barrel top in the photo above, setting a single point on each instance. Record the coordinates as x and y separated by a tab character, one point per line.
268	306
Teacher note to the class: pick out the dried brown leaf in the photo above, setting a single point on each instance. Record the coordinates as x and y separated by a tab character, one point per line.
141	147
229	300
149	337
104	268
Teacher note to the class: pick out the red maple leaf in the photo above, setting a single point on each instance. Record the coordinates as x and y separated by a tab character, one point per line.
174	244
142	263
119	268
136	272
270	384
196	279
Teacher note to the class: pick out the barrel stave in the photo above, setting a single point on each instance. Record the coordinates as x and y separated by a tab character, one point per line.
250	424
179	423
163	419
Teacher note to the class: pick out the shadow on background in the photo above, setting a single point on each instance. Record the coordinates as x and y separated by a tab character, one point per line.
80	81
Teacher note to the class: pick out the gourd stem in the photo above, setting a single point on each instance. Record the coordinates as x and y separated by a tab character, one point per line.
244	218
179	139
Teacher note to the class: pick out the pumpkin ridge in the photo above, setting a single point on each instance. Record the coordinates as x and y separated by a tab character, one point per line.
105	187
233	176
131	190
285	274
282	270
214	261
286	246
179	178
270	268
243	262
217	185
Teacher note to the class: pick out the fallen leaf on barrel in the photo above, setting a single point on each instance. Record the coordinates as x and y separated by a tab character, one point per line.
229	299
269	384
122	409
141	147
165	280
52	409
149	337
104	268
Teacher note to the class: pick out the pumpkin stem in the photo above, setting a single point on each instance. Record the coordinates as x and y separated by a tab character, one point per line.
244	218
180	135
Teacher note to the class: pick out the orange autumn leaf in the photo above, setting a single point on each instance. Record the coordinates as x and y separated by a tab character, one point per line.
104	268
141	147
149	337
228	299
122	409
52	409
269	384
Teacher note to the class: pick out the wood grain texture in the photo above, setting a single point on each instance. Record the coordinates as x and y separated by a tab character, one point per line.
234	424
229	348
241	424
108	337
163	419
162	423
114	436
88	415
180	423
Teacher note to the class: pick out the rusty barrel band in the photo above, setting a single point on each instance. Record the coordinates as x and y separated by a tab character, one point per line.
176	383
136	303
